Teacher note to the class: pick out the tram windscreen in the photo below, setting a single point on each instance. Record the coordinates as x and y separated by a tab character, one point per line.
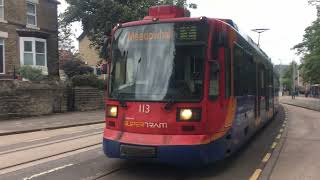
159	62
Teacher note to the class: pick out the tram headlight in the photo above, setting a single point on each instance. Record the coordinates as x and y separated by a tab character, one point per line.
112	111
187	114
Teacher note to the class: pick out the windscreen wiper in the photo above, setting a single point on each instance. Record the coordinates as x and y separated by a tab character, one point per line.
172	100
122	102
169	103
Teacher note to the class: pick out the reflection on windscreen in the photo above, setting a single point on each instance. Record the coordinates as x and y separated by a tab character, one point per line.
148	66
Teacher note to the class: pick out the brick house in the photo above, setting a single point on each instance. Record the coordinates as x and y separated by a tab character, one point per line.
28	36
88	53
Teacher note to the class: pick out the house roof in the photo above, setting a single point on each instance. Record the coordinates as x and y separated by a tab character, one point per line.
55	1
82	35
32	33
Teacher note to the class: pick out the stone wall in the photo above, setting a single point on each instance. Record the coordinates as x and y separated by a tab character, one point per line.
21	99
88	98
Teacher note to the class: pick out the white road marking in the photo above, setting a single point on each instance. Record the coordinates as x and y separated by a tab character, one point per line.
47	172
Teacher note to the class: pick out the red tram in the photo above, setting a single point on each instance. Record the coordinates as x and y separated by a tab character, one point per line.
185	90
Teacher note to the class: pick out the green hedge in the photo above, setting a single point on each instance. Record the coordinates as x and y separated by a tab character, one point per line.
76	67
88	80
30	73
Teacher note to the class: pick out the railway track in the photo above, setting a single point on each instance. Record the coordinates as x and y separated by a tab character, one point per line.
34	154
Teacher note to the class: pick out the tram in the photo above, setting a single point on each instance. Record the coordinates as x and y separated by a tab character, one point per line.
185	90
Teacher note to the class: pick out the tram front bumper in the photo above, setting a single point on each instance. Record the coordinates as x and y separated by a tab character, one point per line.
191	154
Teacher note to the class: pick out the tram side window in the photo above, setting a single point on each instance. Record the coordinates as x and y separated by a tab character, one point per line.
214	81
227	73
244	73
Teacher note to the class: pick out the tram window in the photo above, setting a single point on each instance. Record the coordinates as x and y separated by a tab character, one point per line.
214	81
262	83
227	73
244	73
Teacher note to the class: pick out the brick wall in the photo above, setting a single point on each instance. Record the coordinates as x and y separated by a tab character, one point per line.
87	99
12	48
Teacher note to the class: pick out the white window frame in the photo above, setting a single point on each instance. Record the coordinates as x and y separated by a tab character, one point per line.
34	53
2	6
32	14
2	42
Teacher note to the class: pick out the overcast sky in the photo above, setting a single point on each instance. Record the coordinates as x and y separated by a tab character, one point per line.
286	20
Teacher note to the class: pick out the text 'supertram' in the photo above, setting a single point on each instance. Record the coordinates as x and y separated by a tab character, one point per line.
185	90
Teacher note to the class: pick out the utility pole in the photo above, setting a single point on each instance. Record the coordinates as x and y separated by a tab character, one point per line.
259	31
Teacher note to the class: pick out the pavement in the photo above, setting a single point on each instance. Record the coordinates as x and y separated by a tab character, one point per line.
55	121
298	156
308	103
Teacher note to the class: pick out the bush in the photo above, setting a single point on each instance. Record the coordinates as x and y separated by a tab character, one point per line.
87	80
76	67
30	73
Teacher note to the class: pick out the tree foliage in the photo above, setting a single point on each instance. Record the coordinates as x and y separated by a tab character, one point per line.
314	2
65	35
309	48
76	67
99	16
287	78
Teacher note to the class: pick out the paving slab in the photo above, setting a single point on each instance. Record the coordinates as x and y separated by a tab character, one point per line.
308	103
299	156
55	121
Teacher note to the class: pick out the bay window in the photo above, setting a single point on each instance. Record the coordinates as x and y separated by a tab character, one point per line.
33	51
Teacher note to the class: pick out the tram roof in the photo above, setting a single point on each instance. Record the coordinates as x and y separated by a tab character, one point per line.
246	37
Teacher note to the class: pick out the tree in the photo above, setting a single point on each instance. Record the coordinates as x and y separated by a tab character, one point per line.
314	2
309	48
76	67
65	35
287	78
310	51
99	16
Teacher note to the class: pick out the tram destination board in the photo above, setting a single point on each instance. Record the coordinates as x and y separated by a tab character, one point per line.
190	32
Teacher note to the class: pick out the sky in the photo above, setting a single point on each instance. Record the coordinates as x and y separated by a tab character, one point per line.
286	19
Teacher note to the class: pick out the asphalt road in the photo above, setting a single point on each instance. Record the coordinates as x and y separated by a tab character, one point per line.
84	158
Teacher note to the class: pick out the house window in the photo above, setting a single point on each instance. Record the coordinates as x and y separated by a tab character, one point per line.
31	14
1	10
2	67
33	51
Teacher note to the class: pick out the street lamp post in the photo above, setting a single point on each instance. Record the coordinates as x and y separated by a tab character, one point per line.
259	31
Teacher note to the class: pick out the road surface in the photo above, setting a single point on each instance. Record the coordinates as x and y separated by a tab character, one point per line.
76	153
